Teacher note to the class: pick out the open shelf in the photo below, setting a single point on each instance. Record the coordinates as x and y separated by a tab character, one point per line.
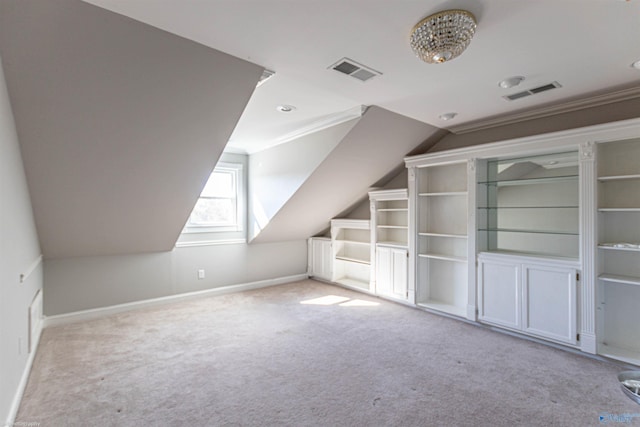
443	307
391	244
618	248
359	261
393	210
618	177
528	181
618	209
454	236
626	280
510	230
527	207
353	283
443	257
444	193
352	242
622	354
401	227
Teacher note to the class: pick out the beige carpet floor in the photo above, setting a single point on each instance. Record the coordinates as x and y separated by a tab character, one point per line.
308	354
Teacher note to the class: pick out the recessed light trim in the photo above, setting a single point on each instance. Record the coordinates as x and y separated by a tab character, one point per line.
447	116
285	108
636	65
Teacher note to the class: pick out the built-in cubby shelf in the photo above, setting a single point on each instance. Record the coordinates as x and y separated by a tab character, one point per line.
445	193
351	244
441	237
626	280
618	249
530	205
390	237
443	257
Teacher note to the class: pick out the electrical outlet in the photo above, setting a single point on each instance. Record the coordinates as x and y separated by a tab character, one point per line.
200	274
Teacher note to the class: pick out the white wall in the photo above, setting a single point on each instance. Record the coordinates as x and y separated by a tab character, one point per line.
19	249
75	284
276	174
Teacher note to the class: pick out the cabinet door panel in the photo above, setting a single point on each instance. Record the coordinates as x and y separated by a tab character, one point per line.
549	302
500	290
399	264
383	271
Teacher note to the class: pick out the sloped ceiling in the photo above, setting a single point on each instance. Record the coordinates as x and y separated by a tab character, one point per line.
373	148
120	123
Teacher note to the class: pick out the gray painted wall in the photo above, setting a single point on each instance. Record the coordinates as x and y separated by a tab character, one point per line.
120	123
276	174
18	250
373	148
586	117
83	283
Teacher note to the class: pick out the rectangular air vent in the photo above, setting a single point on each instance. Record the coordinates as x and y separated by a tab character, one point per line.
353	69
535	90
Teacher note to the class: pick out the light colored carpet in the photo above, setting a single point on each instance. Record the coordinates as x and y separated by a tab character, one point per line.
273	357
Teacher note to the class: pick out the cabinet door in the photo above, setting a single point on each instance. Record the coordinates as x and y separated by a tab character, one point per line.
321	258
399	273
549	302
499	293
383	271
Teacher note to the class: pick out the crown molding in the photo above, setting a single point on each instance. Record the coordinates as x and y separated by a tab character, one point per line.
538	113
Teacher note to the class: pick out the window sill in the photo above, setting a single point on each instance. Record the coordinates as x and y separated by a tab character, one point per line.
210	243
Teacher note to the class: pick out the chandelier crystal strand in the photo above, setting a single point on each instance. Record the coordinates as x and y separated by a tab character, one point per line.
443	36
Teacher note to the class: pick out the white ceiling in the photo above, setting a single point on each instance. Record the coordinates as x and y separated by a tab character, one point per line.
585	45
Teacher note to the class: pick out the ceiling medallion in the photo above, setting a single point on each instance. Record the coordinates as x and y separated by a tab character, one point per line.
443	36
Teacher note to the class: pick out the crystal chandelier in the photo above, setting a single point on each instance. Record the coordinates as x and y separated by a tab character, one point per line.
443	36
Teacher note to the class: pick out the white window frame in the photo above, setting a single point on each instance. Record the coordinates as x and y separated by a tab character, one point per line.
237	170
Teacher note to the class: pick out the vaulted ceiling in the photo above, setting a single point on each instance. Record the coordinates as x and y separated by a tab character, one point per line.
586	46
120	123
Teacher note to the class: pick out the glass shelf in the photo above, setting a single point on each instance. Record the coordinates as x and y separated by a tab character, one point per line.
400	227
527	207
618	209
619	247
527	181
393	210
618	177
513	230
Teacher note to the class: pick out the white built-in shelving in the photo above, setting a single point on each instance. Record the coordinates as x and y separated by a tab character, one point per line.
389	237
441	237
351	244
618	254
530	205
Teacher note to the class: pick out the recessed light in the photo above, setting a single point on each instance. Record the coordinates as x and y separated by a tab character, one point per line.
636	65
285	108
447	116
510	82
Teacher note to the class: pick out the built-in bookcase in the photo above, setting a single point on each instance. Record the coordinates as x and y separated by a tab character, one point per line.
442	237
389	237
619	249
351	242
530	205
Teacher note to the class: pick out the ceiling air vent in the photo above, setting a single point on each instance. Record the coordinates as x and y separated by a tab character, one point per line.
357	71
533	91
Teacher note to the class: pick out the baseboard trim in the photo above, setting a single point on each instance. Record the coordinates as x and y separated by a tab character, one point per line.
95	313
22	385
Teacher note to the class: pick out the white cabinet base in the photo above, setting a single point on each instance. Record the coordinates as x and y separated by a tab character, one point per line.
535	296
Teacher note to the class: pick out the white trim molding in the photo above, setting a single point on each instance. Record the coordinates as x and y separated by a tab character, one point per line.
95	313
539	113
